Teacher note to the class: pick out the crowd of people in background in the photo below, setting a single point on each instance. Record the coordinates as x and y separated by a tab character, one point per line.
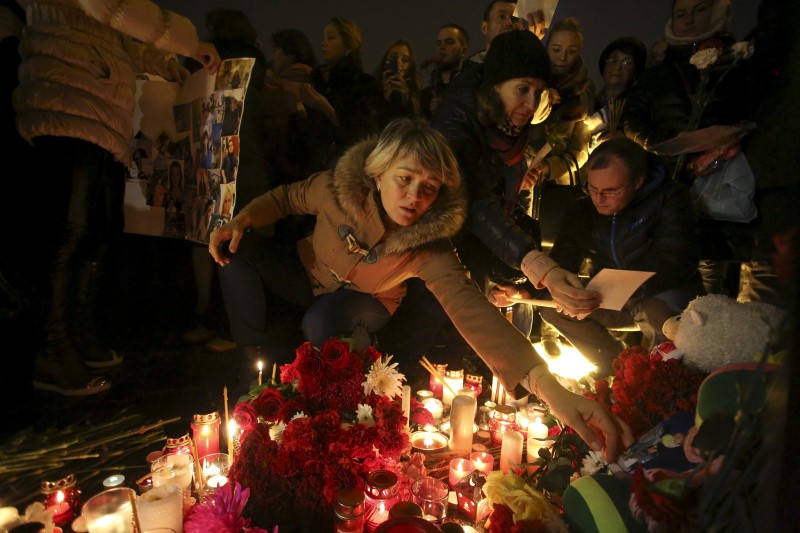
520	114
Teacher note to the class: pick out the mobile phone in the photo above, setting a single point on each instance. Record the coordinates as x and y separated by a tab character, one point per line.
390	65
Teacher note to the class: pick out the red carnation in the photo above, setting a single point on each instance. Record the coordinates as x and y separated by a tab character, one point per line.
268	404
502	519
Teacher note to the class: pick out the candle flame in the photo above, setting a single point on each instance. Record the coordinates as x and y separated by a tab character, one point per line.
233	427
428	442
260	366
60	496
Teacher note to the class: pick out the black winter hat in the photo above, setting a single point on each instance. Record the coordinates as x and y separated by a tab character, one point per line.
516	54
629	45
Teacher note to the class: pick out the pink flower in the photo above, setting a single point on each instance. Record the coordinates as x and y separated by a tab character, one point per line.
221	512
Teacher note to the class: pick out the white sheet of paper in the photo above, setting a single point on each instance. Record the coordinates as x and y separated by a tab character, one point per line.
617	286
528	6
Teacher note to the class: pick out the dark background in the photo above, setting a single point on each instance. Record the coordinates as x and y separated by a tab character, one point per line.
418	21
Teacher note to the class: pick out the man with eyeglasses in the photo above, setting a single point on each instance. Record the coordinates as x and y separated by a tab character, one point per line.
634	217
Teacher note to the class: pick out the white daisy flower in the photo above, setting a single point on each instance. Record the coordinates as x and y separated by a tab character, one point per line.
592	463
364	415
384	379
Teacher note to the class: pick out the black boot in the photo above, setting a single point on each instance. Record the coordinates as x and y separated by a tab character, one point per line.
59	367
86	335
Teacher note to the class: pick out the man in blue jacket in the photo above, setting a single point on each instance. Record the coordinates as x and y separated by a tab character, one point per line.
633	217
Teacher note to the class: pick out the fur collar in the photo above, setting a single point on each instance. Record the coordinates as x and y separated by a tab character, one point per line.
354	193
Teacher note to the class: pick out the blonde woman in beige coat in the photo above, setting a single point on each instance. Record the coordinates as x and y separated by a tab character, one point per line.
75	103
384	215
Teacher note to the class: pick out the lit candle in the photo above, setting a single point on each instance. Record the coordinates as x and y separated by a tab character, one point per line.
233	433
423	395
215	470
511	450
407	403
455	379
435	407
428	441
462	421
459	469
205	431
62	498
435	384
260	366
114	480
482	461
532	452
537	429
493	398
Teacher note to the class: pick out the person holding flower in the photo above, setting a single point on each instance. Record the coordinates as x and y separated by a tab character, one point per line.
385	214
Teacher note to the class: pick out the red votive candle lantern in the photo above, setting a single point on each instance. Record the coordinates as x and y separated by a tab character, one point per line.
380	495
178	445
436	386
503	419
471	381
205	430
62	497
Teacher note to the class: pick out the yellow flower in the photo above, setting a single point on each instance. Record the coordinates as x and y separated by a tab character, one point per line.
528	504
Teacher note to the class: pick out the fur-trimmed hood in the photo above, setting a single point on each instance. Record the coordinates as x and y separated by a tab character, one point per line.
356	195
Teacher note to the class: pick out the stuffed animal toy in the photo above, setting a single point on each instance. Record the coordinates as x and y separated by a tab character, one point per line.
716	330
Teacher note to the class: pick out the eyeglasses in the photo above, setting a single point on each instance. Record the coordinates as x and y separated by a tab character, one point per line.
588	191
628	62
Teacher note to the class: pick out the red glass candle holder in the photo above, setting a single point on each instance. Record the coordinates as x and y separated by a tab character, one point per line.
380	495
503	418
62	497
205	430
436	386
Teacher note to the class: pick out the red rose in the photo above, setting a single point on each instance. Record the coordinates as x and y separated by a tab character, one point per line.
289	409
336	354
309	366
268	404
245	415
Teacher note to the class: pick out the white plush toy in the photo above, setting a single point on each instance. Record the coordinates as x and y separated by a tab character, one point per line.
716	330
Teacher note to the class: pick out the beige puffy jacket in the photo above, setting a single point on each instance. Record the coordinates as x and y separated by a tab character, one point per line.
79	64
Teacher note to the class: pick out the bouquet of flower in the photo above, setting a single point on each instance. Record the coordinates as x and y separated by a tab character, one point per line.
332	419
647	389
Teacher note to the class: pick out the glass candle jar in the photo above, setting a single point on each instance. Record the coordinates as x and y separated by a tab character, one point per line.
349	511
62	497
205	430
503	419
455	381
435	385
380	495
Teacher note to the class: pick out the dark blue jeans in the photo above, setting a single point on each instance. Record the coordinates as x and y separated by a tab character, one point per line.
261	263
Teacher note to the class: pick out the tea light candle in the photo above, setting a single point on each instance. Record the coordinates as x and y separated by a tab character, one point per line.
482	461
511	450
435	407
454	378
215	470
428	441
62	498
462	421
459	469
423	395
114	480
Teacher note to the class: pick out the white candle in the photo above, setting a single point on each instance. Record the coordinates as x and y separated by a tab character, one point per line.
462	420
260	368
454	378
532	452
216	481
494	389
459	469
511	450
435	407
537	429
482	461
161	507
407	404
